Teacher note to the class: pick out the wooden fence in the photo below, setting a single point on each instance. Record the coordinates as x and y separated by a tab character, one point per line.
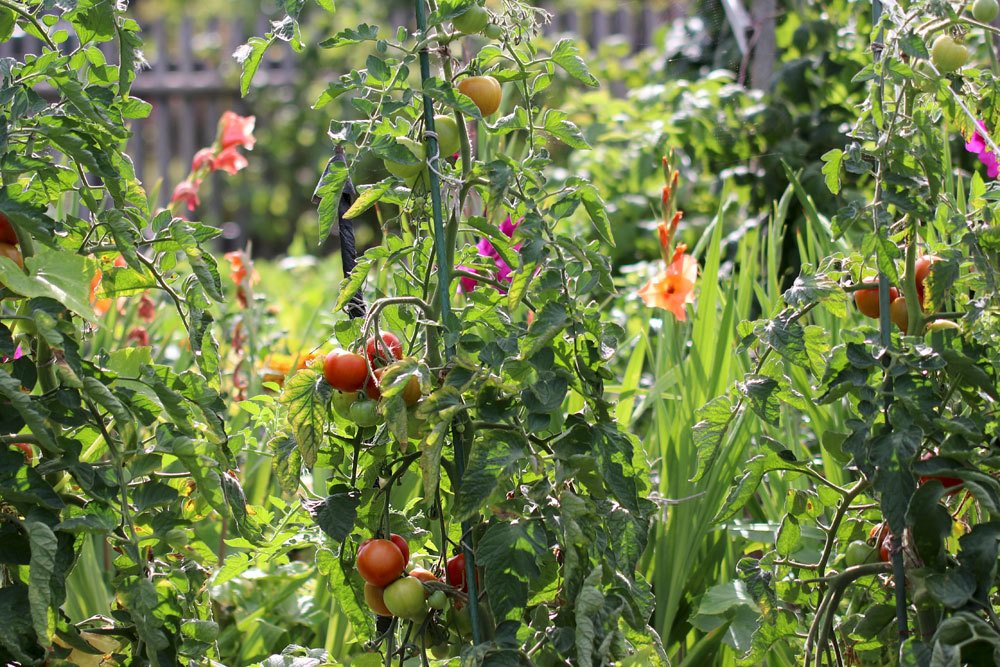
191	76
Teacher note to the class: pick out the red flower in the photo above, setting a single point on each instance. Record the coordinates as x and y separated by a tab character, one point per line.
186	193
147	308
140	336
230	160
673	288
203	158
236	130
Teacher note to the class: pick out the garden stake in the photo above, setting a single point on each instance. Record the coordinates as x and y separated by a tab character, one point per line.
345	229
885	338
444	282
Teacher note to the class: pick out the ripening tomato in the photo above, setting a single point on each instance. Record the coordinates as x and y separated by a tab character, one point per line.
859	552
437	600
448	138
423	575
943	325
345	370
411	392
921	270
404	548
380	562
948	55
372	384
364	413
472	20
374	596
7	233
899	315
485	91
405	598
985	11
403	170
455	573
867	301
879	538
341	401
386	351
12	253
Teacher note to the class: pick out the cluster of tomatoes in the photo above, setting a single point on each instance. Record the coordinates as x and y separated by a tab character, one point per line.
8	241
484	91
950	55
867	299
395	588
357	378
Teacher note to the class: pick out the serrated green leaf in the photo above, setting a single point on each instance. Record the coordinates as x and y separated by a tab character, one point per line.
307	397
566	55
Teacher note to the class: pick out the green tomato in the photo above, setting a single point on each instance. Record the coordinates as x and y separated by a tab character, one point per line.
447	131
364	413
406	171
405	598
341	402
985	11
441	651
438	600
461	621
948	55
493	31
473	20
859	552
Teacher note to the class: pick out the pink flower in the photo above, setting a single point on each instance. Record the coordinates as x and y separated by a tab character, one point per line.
673	288
977	144
467	284
230	160
204	157
186	193
236	130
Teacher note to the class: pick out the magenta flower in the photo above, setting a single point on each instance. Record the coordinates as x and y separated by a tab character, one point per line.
503	270
977	144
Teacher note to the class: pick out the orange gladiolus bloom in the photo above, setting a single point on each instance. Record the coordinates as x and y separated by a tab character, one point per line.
673	288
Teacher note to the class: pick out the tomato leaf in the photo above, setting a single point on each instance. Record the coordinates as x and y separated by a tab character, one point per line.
566	55
286	461
368	197
43	563
249	56
336	514
54	275
307	397
494	456
595	207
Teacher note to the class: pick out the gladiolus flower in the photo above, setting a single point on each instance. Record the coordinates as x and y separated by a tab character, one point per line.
203	158
186	193
230	160
140	336
673	288
465	283
236	130
977	144
147	308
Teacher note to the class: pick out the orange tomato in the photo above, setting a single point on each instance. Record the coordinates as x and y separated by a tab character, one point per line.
485	91
12	253
867	301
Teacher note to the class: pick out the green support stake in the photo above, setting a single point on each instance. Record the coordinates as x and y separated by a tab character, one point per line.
444	297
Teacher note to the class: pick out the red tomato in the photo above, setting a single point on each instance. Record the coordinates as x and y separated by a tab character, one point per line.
377	350
372	383
879	537
7	233
344	370
485	91
26	450
380	562
404	548
867	301
376	601
946	482
921	270
899	315
455	573
12	253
